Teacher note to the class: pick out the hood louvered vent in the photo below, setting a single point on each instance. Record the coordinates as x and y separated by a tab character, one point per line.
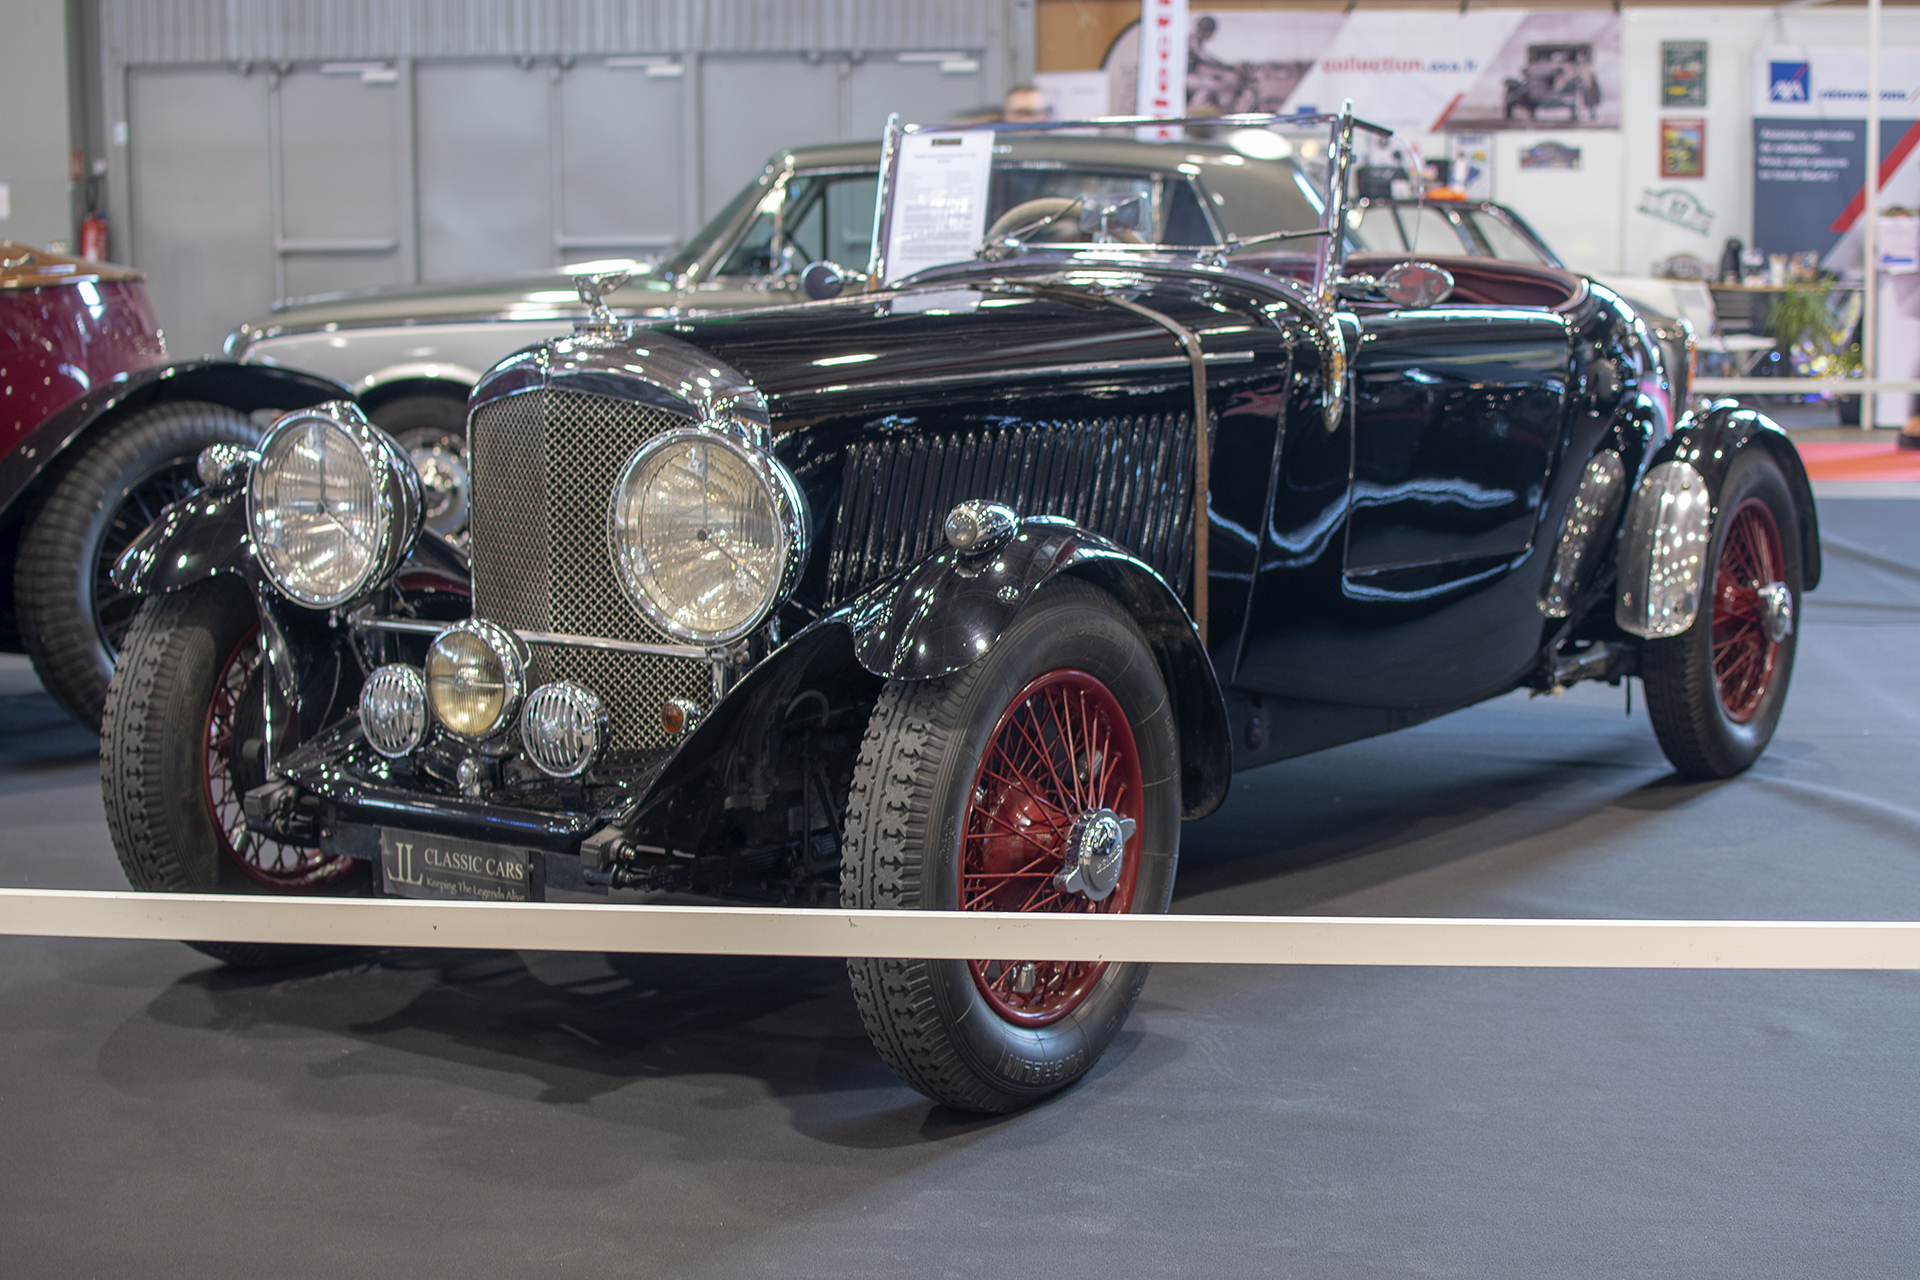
1130	479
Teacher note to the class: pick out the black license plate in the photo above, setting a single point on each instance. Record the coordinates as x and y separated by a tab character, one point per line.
414	865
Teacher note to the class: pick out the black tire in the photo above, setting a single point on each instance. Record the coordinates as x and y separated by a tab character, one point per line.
432	429
108	489
920	782
1715	722
174	762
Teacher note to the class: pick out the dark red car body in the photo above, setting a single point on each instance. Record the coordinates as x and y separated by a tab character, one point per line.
67	327
82	358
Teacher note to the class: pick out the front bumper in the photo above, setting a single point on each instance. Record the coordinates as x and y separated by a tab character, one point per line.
338	781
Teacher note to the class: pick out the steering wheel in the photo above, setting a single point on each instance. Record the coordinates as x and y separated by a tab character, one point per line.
1065	231
1028	212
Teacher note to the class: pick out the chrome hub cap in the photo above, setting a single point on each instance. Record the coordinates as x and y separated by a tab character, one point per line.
1095	854
1776	608
445	484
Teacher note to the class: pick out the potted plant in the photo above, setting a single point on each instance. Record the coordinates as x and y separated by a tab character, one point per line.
1818	327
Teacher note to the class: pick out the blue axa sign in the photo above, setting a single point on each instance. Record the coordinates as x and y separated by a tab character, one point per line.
1788	82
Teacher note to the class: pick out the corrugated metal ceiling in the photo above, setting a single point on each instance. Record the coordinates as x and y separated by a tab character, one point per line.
159	32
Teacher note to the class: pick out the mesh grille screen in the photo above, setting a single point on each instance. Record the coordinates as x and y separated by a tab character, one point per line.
544	466
1130	479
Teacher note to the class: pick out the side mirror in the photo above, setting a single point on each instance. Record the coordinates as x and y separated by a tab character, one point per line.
822	280
1416	284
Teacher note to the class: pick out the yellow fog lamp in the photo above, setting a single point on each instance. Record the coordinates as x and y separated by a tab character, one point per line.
476	677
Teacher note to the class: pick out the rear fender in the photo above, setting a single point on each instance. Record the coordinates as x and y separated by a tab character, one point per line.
1664	520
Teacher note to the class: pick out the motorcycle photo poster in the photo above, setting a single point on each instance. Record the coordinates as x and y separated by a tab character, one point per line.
1418	72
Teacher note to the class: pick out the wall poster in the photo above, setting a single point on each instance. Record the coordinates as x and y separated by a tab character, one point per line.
1683	148
1809	147
1412	70
1683	73
1550	154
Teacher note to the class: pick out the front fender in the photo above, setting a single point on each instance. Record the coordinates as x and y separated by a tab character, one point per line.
191	539
206	534
1706	443
244	387
948	611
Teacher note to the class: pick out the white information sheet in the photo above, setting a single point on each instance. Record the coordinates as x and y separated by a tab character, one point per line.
1899	242
939	202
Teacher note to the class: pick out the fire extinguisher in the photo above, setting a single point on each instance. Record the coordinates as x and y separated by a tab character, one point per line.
93	231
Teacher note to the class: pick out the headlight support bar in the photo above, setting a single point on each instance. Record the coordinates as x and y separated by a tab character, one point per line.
404	626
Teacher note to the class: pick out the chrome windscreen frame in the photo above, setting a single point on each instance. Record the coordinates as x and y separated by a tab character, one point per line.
1341	125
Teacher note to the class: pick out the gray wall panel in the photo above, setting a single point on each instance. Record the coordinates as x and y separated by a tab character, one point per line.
201	217
172	31
334	127
882	84
305	274
484	172
751	107
491	137
620	129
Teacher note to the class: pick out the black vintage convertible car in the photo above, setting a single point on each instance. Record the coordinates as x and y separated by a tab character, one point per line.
953	591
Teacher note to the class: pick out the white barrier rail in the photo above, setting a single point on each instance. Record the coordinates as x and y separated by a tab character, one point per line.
775	931
1799	386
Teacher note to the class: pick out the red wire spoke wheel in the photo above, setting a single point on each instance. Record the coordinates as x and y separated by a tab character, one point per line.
1043	777
1744	652
182	712
1715	691
283	868
1061	759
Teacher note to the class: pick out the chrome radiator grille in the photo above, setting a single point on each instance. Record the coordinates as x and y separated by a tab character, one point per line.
1130	479
544	464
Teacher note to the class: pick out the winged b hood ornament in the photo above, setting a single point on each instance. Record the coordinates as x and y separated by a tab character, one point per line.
593	288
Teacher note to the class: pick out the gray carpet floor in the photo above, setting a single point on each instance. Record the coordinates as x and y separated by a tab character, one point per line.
429	1114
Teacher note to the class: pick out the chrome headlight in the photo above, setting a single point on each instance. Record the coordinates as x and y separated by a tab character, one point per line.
393	709
476	676
706	534
564	728
333	504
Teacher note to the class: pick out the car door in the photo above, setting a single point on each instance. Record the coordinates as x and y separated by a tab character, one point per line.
1395	574
1459	414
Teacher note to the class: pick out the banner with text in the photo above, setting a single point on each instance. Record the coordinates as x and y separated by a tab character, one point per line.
1416	72
1161	87
1809	147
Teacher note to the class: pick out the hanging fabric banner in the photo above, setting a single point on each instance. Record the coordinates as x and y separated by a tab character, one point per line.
1161	84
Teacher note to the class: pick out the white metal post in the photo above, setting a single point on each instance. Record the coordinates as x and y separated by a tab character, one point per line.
1870	237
